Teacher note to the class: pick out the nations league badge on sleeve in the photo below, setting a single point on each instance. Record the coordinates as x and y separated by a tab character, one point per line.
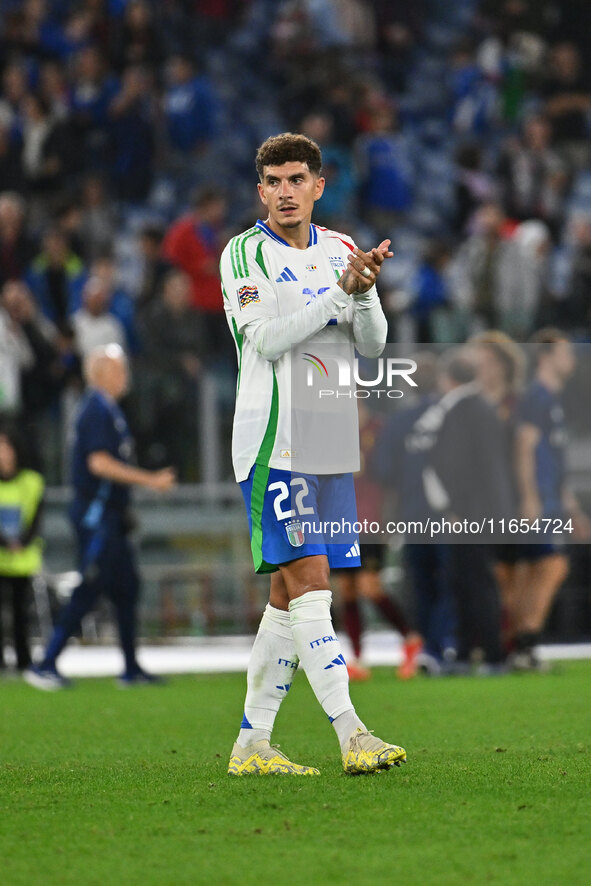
247	295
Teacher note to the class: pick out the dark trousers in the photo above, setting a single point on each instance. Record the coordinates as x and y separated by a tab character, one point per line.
428	570
16	590
107	565
478	601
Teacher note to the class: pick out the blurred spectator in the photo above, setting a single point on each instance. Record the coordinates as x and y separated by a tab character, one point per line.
194	244
490	268
568	101
137	40
533	176
385	171
353	23
53	87
337	201
430	294
98	221
93	88
11	172
92	323
14	89
474	98
339	103
42	376
174	346
15	357
121	304
524	306
67	217
41	337
55	277
131	136
154	266
45	155
474	186
16	248
575	309
21	498
400	26
190	106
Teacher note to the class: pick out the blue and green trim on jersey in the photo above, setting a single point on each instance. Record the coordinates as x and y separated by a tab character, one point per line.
238	256
262	226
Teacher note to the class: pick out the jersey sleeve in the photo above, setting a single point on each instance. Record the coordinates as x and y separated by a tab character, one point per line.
246	286
95	430
533	411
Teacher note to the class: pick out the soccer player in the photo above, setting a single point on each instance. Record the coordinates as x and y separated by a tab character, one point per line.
544	493
289	288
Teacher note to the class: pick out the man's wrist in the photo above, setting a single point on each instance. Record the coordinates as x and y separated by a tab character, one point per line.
366	299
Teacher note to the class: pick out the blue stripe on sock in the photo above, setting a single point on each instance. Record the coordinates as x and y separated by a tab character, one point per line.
245	724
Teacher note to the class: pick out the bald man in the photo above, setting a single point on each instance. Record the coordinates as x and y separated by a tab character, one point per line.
102	474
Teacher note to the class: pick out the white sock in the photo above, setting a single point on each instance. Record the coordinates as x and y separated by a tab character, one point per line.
271	669
320	654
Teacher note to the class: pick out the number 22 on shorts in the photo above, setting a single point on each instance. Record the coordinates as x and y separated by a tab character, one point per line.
284	493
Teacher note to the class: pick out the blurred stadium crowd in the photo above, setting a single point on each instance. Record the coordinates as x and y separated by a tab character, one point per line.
127	131
458	128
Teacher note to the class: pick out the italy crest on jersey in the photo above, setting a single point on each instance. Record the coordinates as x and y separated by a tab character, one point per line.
247	295
295	533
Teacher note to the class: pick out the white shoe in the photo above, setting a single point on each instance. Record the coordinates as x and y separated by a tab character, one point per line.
47	679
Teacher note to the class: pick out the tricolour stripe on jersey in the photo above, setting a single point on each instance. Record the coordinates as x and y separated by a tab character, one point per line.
336	236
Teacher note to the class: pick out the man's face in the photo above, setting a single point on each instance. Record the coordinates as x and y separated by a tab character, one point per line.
563	357
115	377
289	192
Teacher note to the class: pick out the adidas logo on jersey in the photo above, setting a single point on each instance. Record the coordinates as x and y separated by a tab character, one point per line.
340	660
353	551
286	276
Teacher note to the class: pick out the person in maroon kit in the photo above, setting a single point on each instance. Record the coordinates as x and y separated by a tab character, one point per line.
366	581
193	244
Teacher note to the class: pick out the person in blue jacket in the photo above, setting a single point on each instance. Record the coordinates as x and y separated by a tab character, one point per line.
102	474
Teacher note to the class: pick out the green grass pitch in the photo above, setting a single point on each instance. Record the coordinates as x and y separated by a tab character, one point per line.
103	786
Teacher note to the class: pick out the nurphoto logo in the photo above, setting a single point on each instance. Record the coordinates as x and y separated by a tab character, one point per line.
347	379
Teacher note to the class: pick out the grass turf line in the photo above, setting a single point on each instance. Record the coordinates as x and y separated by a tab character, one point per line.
104	786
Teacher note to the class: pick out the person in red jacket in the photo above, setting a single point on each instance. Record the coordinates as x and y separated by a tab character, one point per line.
193	244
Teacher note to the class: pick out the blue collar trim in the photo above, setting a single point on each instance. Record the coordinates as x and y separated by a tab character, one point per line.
313	240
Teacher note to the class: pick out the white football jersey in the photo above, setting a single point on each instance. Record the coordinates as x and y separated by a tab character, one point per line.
276	423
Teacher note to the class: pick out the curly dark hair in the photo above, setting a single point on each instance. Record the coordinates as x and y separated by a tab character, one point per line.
289	147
